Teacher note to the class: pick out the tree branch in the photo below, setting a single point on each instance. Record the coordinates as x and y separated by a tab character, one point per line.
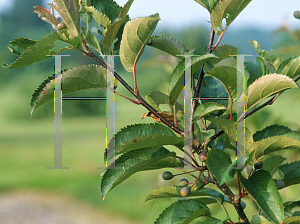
235	202
136	95
269	102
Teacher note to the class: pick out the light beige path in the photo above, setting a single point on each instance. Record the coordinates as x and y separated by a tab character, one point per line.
29	207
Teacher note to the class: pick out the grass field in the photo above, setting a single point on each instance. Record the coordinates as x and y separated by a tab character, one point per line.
26	148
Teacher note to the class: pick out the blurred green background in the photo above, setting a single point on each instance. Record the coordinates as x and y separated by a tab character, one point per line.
26	143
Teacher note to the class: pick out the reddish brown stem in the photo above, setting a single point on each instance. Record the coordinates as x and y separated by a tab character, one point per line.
139	98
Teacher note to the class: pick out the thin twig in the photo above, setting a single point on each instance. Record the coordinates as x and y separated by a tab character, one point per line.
139	98
269	102
220	38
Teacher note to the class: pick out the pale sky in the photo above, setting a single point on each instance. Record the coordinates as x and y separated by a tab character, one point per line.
261	13
176	13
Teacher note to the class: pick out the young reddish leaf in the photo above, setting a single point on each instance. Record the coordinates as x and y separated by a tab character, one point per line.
69	12
46	15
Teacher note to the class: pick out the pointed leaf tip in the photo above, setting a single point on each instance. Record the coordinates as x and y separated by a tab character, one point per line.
134	39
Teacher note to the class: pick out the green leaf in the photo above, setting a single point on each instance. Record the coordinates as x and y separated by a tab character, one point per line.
114	29
271	57
265	87
290	67
109	8
227	76
99	17
75	79
144	135
289	173
219	163
84	14
276	143
292	220
291	208
229	127
256	69
271	131
183	212
168	45
258	219
156	98
38	52
212	88
177	80
150	158
212	220
208	4
174	191
224	51
19	45
205	109
263	189
271	162
228	10
69	12
134	39
91	40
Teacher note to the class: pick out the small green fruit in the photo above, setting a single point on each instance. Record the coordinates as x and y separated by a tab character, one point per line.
258	164
167	175
183	182
280	184
185	191
203	156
